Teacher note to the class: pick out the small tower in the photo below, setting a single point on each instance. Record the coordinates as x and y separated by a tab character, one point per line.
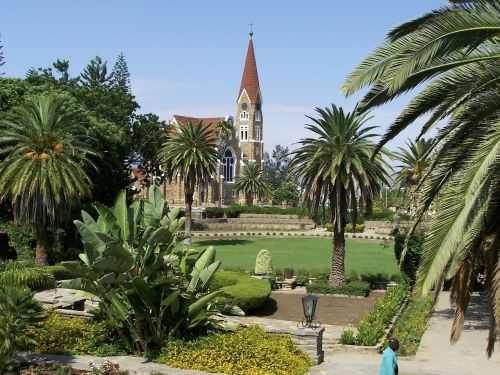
249	120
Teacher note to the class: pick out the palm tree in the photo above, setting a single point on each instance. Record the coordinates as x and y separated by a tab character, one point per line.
251	182
414	160
337	167
223	130
43	172
190	152
456	50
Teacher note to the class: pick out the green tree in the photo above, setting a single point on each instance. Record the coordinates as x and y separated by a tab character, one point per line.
1	57
62	66
288	192
276	166
415	160
95	74
190	154
251	182
223	130
147	133
120	75
454	50
42	174
337	167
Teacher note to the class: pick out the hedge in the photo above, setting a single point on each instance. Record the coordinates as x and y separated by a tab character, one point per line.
353	288
60	272
248	293
235	210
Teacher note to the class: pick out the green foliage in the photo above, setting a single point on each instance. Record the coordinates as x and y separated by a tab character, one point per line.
235	210
301	280
264	263
415	158
148	289
21	238
338	165
95	74
288	192
371	328
247	351
348	337
353	288
411	260
18	312
71	336
251	182
379	214
60	272
360	228
120	76
411	325
276	166
26	275
244	291
214	212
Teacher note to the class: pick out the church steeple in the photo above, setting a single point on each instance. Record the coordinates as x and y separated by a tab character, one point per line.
250	78
249	119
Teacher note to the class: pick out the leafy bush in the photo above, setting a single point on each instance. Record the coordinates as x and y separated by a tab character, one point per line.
60	335
386	215
23	274
247	351
235	210
22	239
371	328
246	292
353	288
132	263
302	280
411	325
264	263
18	312
348	337
360	228
412	259
214	212
60	272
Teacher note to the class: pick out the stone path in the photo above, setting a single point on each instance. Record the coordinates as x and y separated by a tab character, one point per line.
436	356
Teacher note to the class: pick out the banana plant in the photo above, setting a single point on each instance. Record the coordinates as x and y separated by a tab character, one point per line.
148	288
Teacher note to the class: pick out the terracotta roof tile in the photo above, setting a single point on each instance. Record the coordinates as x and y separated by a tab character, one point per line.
250	79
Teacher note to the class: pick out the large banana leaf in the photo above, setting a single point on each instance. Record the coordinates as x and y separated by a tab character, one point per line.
201	303
124	216
205	259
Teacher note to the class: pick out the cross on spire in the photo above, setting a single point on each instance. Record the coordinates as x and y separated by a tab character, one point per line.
251	29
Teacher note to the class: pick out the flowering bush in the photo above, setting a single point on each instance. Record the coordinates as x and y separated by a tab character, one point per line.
264	263
411	325
370	329
59	335
106	368
249	351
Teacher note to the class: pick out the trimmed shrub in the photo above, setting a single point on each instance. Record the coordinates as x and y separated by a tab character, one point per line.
235	210
360	228
214	212
60	272
353	288
245	291
247	351
348	337
264	263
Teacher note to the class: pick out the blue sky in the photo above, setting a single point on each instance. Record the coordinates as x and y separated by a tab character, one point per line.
186	57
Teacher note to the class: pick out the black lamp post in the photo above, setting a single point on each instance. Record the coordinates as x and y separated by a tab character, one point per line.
309	303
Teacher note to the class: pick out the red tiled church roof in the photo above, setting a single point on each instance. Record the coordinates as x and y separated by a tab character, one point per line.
184	120
250	79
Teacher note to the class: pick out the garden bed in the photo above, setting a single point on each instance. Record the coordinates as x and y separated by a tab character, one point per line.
344	311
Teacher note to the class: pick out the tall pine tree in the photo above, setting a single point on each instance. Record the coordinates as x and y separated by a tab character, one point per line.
96	74
121	76
1	57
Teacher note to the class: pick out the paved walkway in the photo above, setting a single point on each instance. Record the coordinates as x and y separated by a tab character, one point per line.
436	356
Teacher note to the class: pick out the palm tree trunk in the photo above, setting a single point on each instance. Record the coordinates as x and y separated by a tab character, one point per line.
42	245
338	196
188	198
368	206
249	199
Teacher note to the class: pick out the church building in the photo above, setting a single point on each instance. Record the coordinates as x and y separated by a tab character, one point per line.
244	145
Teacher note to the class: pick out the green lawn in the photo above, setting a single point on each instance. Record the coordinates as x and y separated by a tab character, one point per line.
313	254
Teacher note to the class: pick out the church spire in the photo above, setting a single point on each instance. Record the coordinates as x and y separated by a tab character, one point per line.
250	79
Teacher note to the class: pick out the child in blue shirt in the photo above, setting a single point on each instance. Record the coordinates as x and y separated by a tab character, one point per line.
389	364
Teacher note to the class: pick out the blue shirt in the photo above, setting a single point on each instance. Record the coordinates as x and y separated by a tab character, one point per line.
389	363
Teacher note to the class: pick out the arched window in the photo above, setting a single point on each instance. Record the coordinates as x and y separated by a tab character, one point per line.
228	165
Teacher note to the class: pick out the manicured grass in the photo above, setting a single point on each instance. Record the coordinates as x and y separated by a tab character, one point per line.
362	257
